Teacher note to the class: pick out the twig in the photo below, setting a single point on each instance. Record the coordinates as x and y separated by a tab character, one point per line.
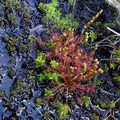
106	92
73	11
113	31
117	100
110	59
58	87
107	39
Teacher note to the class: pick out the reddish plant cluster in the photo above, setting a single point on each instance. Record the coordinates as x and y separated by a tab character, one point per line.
76	67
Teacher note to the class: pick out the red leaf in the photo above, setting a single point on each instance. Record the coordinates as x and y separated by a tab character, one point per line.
61	68
87	88
49	54
40	42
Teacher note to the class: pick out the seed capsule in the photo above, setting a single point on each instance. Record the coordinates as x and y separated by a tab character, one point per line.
100	71
96	61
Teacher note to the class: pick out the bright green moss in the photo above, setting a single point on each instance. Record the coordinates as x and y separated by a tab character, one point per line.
54	17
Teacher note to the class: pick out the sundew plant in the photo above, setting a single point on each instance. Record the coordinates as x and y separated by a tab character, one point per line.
68	67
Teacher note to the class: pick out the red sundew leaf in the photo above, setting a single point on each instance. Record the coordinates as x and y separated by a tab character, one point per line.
87	88
61	68
82	88
67	60
53	70
49	54
91	54
40	42
72	39
80	39
75	86
80	80
78	63
79	101
59	48
88	68
90	88
78	71
55	37
71	48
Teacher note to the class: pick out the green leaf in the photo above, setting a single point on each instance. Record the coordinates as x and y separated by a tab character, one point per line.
86	100
54	64
63	110
39	102
117	78
85	42
71	2
56	77
112	65
92	36
117	56
96	117
47	115
41	77
32	38
111	105
41	6
48	92
117	53
40	60
106	68
52	76
48	74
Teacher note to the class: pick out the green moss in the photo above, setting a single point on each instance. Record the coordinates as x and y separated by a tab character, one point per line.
38	102
0	79
71	1
103	105
108	105
16	4
32	38
113	25
117	78
54	17
47	115
2	94
95	117
117	55
31	75
86	100
11	74
62	111
12	41
40	60
18	88
24	48
54	64
11	18
48	92
111	105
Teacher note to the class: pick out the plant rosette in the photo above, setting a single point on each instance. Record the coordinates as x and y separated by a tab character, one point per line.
71	69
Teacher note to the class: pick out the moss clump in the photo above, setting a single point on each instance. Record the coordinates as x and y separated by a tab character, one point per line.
38	102
11	74
63	111
54	17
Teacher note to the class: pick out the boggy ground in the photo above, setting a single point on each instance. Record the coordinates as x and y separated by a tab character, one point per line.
18	79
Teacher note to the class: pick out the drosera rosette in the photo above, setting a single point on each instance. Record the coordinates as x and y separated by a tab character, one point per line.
69	68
